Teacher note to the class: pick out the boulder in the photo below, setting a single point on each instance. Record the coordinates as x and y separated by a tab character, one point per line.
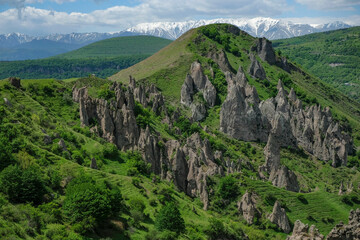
302	232
350	231
265	50
198	111
7	102
62	145
16	82
247	207
279	217
255	69
93	164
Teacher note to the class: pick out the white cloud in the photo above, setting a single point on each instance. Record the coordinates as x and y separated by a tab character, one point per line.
330	4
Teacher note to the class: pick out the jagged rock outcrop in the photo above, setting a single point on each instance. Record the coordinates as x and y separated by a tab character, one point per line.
241	108
264	49
255	69
114	120
221	59
244	117
197	81
16	82
279	175
191	165
303	232
148	145
350	231
279	217
247	207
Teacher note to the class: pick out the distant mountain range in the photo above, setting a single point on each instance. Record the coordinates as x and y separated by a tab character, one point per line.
12	45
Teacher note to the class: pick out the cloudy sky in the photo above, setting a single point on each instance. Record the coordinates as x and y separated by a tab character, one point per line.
41	17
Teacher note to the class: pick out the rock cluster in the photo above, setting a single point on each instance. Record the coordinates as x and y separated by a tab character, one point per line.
244	117
195	82
350	231
278	217
303	232
247	207
191	165
187	166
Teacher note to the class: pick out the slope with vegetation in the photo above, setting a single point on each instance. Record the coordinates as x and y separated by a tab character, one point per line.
103	58
55	138
332	56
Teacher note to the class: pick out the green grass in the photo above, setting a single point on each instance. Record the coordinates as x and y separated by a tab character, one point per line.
120	46
332	56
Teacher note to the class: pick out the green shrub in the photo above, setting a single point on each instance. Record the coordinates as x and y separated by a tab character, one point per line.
88	203
22	185
6	157
301	198
169	218
228	188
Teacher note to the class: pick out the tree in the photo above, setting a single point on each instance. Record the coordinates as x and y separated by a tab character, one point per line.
228	188
22	185
169	218
88	203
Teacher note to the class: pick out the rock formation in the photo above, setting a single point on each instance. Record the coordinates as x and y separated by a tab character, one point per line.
93	164
255	69
221	59
247	207
278	217
191	165
195	82
302	232
350	231
7	102
240	115
62	145
264	49
16	82
244	117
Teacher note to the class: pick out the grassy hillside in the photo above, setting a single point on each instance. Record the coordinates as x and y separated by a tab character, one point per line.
332	56
103	58
54	194
120	46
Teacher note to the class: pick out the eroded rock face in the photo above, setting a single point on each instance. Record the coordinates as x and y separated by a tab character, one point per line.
198	111
303	232
240	115
350	231
247	207
278	217
197	81
265	50
221	59
191	164
255	69
244	117
148	145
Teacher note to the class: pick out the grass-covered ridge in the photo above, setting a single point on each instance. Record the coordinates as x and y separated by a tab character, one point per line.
332	56
103	58
120	46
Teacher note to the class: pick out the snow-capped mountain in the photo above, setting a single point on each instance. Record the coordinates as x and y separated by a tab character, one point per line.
257	27
12	45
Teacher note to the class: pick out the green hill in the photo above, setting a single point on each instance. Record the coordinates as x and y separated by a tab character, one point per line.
91	158
332	56
103	58
120	46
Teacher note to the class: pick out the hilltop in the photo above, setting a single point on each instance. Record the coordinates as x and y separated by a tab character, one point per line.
102	58
332	56
216	132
